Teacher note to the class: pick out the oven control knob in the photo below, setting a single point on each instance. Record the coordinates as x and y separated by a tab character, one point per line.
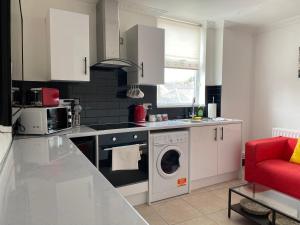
135	136
114	139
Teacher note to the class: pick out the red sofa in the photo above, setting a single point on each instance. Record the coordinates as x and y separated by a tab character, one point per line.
267	163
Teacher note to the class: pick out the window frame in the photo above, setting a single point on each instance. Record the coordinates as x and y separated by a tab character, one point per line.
200	76
196	95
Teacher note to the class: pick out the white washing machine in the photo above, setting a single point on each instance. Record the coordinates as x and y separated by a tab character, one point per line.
169	157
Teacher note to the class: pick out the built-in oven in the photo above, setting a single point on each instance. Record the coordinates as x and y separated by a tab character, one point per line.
87	145
123	177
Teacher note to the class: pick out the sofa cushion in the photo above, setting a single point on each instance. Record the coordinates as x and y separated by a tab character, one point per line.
295	158
291	144
280	175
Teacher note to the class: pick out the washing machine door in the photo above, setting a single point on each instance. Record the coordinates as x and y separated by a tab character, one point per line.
168	161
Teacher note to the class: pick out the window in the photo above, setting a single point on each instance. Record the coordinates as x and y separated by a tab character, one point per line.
183	80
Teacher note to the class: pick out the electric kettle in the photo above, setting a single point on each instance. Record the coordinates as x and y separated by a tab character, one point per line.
140	114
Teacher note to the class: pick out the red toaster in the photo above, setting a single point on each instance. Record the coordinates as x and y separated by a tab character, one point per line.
43	97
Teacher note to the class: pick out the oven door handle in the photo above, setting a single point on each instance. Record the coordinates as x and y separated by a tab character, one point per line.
109	149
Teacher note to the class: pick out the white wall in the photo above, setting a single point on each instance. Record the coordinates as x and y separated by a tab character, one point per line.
214	55
130	19
277	86
35	33
237	77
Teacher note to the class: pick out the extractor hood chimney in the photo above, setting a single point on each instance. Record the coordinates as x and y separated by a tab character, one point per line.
108	37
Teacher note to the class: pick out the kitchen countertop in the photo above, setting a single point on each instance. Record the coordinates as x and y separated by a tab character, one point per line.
148	126
48	181
84	131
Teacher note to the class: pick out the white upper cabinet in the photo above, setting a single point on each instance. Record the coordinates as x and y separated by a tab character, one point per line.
69	46
146	47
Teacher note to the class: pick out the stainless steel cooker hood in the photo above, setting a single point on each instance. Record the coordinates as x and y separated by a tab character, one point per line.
108	38
115	63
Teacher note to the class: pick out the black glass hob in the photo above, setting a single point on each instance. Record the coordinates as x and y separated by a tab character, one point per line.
112	126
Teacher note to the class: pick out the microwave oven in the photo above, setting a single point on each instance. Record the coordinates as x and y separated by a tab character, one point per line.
46	120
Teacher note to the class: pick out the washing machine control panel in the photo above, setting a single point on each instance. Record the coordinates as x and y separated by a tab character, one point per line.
170	139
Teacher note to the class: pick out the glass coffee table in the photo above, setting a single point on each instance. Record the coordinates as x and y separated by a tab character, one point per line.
280	205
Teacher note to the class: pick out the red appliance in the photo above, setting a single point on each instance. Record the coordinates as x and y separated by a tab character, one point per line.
139	114
43	97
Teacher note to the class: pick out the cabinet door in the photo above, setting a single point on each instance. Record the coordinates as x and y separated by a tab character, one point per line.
69	46
204	152
229	148
146	45
151	51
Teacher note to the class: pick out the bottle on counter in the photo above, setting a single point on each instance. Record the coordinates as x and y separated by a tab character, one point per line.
150	115
77	111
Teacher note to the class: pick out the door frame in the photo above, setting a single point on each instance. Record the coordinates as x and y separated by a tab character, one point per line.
5	65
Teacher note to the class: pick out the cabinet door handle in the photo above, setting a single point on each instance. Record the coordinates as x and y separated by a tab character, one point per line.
85	65
216	134
142	64
222	133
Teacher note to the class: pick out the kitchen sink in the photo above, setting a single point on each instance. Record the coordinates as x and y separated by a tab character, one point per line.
192	121
204	120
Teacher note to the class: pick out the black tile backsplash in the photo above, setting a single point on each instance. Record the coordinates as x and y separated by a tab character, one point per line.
104	100
214	92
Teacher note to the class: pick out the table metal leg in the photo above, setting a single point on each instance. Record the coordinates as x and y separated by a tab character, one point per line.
229	203
253	190
273	217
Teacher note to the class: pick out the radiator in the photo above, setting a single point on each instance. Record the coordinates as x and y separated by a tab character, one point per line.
285	133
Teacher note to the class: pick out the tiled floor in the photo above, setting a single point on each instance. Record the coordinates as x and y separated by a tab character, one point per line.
205	206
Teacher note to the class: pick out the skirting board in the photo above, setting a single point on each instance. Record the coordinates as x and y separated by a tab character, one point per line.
133	189
135	194
214	180
138	199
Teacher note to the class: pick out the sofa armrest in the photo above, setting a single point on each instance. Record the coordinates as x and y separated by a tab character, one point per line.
261	150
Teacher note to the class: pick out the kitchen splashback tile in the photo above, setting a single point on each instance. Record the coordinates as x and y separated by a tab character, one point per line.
104	100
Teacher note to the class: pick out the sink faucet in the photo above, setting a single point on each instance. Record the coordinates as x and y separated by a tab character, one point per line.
193	107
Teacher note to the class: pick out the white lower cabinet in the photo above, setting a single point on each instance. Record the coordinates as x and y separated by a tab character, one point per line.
215	150
204	152
229	148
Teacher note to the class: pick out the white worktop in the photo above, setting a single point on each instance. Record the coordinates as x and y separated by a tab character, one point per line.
84	131
48	181
148	126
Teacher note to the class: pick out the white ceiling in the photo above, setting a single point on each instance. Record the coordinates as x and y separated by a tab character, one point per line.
250	12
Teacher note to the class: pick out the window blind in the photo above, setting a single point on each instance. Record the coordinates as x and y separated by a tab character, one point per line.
182	44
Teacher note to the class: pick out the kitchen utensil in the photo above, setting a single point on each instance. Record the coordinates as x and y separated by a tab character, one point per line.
152	118
165	117
158	117
135	92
